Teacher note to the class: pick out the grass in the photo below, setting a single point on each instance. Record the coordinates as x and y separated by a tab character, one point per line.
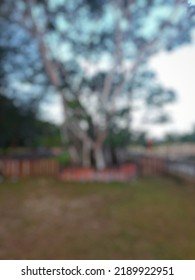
152	218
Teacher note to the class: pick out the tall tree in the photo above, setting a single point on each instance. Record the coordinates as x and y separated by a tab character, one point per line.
96	54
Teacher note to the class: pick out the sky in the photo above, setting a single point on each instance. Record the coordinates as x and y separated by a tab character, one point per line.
177	70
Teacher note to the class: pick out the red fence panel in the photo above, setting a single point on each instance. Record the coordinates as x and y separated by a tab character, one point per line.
122	173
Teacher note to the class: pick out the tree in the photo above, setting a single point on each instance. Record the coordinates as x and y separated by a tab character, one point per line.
19	127
96	54
19	122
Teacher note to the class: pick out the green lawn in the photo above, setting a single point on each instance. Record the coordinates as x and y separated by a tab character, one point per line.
152	218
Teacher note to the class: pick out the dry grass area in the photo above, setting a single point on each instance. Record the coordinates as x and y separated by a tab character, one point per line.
152	218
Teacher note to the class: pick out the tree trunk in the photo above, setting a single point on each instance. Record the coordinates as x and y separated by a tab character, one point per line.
73	155
51	67
99	158
114	157
86	154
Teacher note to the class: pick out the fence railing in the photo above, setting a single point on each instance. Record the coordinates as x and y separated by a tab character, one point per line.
17	168
24	168
151	165
141	165
181	168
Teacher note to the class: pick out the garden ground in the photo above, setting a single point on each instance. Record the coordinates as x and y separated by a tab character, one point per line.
151	218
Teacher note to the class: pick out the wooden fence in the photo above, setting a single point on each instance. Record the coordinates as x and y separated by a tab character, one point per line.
141	165
24	168
20	168
152	165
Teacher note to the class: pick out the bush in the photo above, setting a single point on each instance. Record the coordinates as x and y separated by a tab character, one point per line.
64	159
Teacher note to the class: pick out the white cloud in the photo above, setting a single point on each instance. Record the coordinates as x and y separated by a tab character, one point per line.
176	70
53	112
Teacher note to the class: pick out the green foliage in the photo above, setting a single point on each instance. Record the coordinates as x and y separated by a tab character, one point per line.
187	137
118	138
49	135
158	97
64	159
139	138
74	104
21	127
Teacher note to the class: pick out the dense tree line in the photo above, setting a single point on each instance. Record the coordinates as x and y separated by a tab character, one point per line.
19	127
